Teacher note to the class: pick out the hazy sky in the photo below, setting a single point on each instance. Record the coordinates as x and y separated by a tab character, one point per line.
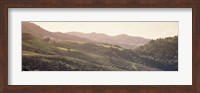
151	30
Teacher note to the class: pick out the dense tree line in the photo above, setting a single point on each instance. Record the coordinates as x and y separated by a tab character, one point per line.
160	53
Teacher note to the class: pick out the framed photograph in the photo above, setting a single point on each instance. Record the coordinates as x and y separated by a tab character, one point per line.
81	46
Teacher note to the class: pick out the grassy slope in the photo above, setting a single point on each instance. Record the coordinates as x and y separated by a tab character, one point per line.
70	56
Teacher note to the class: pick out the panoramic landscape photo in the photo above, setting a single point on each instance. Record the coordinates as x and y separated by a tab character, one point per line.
99	46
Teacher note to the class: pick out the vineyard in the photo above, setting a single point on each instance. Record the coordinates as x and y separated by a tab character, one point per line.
48	54
41	55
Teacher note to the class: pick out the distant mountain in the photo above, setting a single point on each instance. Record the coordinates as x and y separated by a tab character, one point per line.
122	40
36	30
98	37
125	41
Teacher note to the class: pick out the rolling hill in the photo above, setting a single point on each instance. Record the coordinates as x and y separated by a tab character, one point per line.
36	30
39	54
125	41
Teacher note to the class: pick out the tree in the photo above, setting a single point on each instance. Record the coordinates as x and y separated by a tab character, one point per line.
68	49
47	39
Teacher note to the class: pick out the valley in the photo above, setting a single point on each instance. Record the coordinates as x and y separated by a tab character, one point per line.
74	51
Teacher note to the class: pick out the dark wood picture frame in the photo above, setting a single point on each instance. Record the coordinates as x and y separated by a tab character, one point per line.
5	4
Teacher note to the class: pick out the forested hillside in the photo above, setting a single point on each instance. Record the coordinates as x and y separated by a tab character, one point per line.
160	53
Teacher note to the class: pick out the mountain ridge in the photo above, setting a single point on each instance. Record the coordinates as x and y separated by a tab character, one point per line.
123	40
36	30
